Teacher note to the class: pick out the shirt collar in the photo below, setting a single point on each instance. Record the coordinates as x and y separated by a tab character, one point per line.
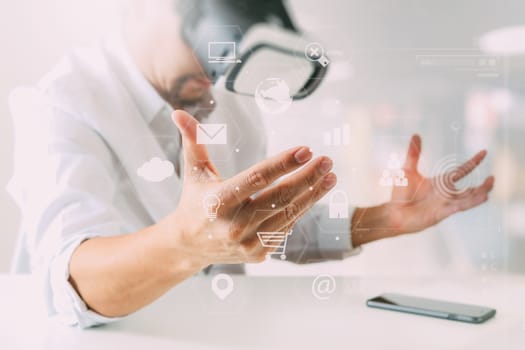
148	100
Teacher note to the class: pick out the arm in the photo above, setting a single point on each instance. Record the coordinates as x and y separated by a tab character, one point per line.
371	224
412	209
420	204
120	274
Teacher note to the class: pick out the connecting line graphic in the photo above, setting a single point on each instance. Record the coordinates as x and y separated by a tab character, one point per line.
275	240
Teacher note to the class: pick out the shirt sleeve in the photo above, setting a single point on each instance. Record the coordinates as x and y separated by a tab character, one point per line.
64	181
316	238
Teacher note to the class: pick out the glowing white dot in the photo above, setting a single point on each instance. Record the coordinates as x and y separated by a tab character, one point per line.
336	238
237	188
212	102
194	168
311	188
273	205
237	150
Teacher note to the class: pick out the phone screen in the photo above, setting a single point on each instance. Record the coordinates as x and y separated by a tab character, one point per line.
430	307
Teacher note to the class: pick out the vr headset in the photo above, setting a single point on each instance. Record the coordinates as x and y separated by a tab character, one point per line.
239	43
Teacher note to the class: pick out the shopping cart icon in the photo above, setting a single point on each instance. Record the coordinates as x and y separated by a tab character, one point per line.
275	240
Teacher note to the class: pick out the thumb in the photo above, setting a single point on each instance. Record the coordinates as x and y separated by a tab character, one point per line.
195	155
413	153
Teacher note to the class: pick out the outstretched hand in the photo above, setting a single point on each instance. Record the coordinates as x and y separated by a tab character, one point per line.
425	201
218	220
422	203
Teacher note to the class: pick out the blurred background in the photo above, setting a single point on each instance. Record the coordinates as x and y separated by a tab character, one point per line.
452	71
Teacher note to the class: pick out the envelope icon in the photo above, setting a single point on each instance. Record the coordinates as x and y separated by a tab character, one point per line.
212	134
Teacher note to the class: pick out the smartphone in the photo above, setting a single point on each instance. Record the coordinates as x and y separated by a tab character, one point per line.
434	308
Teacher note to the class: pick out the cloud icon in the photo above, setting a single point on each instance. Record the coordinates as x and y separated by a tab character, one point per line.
156	170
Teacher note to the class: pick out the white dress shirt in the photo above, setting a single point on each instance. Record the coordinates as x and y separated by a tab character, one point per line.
81	134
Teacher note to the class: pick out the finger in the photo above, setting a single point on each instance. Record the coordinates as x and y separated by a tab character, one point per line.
290	188
467	167
481	190
263	174
195	155
468	199
413	153
300	205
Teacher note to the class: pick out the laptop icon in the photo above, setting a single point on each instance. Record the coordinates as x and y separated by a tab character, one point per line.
222	52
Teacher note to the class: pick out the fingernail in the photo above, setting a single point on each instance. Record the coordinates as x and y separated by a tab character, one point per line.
303	155
329	181
325	165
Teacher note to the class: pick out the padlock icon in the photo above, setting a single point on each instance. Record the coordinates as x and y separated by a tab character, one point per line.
338	206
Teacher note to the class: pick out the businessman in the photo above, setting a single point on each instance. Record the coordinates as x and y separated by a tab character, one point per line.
107	239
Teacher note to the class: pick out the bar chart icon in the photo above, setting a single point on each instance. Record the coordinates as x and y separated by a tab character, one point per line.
337	136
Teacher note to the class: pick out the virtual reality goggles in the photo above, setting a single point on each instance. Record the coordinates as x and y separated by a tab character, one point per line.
240	43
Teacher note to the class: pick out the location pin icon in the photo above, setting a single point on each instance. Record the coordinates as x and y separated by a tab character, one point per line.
222	285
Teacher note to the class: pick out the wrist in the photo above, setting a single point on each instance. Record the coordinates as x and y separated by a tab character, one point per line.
177	256
374	223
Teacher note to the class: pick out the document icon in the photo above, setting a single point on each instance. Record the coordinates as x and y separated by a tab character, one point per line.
211	134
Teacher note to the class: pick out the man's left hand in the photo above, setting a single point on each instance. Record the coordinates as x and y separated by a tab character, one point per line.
422	203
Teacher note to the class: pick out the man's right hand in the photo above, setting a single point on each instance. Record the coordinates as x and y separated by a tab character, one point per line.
118	274
231	237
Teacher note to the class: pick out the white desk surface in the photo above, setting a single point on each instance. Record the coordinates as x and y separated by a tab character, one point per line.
280	313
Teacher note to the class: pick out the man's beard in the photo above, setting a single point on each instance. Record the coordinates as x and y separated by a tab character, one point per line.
199	107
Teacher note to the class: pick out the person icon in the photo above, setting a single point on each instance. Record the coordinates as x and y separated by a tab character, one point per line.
394	162
386	180
400	179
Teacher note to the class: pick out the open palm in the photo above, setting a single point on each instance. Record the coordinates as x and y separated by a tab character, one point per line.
427	200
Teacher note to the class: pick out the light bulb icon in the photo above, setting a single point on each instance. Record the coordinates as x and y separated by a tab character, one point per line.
211	204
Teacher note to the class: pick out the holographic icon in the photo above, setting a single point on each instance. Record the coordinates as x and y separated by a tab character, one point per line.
338	205
323	287
314	52
400	180
386	180
222	285
394	175
444	176
337	136
394	162
212	134
275	240
211	204
156	170
222	52
272	96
